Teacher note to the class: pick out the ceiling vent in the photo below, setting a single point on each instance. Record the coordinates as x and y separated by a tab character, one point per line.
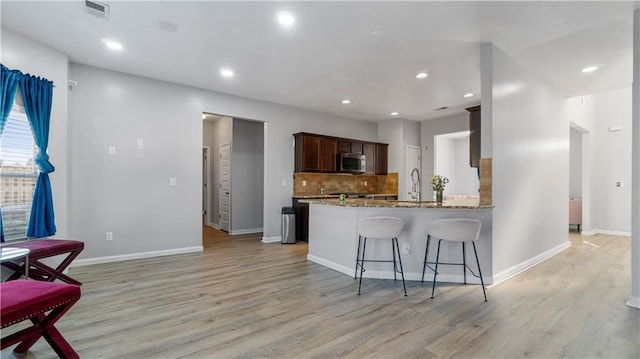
97	9
441	108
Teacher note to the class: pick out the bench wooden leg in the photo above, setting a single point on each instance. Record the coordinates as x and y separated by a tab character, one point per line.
43	326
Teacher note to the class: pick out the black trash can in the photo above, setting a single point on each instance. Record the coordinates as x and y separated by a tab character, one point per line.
288	225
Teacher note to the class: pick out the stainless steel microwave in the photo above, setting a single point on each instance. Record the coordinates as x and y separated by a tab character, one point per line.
351	162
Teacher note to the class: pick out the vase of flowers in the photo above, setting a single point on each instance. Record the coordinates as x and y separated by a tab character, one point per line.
438	183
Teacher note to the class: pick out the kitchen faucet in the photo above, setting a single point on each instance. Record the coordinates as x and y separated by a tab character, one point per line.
415	186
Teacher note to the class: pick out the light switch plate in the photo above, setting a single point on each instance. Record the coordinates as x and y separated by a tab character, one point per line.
112	150
172	181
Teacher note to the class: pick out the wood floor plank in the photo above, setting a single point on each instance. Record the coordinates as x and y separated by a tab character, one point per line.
242	298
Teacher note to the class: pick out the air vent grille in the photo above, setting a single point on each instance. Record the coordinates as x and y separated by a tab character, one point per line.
97	9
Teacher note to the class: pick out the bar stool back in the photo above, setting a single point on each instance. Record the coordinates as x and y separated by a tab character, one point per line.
379	228
453	230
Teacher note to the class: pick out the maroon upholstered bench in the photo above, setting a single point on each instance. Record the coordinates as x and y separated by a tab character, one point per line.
45	248
29	299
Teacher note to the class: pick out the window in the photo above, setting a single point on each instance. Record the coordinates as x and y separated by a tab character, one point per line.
18	174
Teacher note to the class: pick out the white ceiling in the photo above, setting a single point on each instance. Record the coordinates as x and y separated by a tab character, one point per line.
368	52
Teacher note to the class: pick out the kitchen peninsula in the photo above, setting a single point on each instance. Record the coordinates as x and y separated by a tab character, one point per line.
333	237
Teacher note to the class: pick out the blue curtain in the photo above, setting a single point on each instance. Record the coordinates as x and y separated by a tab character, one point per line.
37	94
8	85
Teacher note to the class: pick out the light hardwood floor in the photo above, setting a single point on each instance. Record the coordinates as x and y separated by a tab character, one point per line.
244	299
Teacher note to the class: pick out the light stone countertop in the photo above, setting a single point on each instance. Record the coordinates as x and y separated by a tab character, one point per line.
374	203
330	196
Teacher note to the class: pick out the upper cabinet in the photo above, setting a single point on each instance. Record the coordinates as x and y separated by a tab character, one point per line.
319	153
382	154
369	151
474	136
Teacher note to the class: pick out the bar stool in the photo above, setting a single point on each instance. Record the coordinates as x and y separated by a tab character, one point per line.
454	230
379	228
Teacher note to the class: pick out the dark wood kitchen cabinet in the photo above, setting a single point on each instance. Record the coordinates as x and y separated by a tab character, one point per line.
328	154
474	136
315	153
382	159
318	153
307	153
344	146
369	151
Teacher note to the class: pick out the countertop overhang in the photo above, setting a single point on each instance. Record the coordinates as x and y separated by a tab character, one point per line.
375	203
332	196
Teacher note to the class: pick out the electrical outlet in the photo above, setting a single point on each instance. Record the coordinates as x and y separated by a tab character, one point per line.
304	183
172	181
109	236
406	248
365	183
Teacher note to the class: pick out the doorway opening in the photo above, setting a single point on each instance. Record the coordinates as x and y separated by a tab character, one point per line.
451	160
579	180
234	189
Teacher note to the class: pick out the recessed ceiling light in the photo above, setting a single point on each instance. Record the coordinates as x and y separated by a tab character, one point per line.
346	102
590	69
112	44
394	113
468	94
421	75
286	18
225	72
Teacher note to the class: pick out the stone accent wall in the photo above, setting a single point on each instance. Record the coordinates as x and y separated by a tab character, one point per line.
486	194
344	183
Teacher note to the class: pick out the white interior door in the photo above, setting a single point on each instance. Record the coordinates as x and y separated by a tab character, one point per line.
413	161
225	186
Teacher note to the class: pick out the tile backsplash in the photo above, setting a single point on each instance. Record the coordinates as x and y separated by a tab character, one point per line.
344	183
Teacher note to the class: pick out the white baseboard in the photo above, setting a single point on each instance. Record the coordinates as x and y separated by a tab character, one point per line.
274	239
588	233
213	225
245	231
329	264
634	302
442	278
523	266
613	233
126	257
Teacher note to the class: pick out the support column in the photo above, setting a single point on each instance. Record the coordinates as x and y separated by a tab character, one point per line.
634	299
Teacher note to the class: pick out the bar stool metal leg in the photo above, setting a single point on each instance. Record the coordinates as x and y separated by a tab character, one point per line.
364	247
395	267
435	272
479	271
426	255
355	275
400	261
464	264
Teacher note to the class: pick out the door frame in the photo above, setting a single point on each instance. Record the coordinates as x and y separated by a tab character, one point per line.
206	184
220	189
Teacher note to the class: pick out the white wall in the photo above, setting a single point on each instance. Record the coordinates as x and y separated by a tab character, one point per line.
428	130
575	164
399	133
611	206
247	176
444	164
110	108
20	53
465	177
530	161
